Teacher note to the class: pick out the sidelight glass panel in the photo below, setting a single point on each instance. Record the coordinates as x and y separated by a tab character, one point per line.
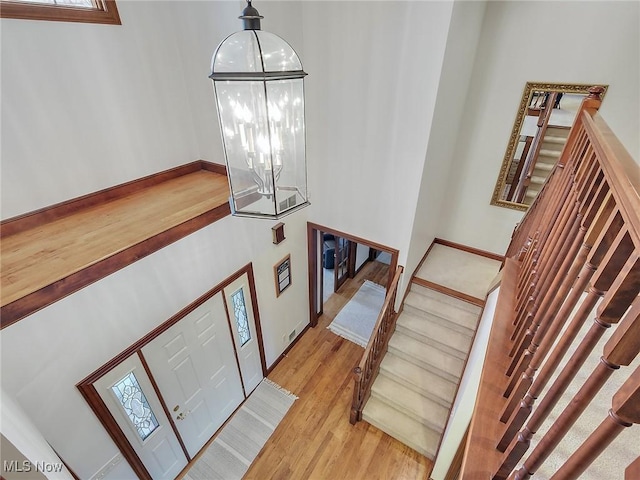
240	314
135	405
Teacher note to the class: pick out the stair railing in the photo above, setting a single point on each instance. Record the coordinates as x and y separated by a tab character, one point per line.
367	370
574	256
532	158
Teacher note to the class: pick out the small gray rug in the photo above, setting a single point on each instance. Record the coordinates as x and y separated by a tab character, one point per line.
357	318
238	444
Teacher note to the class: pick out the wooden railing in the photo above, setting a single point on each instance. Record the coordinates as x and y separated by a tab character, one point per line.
367	370
524	180
575	256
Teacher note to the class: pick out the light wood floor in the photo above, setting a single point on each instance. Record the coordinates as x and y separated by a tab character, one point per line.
315	440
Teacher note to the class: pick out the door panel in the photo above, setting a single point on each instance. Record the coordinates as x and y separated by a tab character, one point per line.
245	336
341	264
194	366
136	401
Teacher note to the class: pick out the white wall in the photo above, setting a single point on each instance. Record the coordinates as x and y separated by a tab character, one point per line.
462	39
26	445
582	42
90	106
373	71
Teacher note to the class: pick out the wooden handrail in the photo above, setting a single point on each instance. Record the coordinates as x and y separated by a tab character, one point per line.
366	371
574	258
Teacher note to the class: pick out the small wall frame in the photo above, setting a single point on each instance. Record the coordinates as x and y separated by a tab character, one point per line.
282	274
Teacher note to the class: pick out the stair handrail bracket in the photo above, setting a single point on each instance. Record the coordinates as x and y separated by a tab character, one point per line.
366	371
571	274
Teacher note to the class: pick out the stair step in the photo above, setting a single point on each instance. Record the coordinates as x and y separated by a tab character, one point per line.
436	333
444	298
549	153
538	180
419	304
547	167
401	427
411	403
554	139
410	375
426	356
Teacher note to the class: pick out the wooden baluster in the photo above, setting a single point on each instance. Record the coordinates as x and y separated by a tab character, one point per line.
597	217
633	471
556	293
623	414
626	280
555	297
602	233
550	281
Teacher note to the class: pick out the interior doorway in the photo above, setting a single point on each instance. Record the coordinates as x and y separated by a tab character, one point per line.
336	256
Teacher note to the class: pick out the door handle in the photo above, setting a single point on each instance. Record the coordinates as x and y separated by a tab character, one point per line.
183	415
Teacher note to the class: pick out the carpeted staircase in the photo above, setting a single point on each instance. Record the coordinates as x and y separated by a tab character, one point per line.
415	388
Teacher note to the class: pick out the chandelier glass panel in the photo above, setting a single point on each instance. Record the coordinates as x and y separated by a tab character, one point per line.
258	84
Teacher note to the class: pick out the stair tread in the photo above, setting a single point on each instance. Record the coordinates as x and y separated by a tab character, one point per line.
555	139
438	362
402	427
549	153
444	298
411	403
426	326
420	379
447	311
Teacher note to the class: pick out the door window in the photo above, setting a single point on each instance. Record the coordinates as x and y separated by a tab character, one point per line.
240	315
135	405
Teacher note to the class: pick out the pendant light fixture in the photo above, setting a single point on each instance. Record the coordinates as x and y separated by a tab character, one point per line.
258	85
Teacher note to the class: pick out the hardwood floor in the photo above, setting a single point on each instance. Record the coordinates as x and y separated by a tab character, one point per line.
315	440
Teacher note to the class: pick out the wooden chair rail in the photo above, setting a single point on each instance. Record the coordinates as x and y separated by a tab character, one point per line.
573	260
366	371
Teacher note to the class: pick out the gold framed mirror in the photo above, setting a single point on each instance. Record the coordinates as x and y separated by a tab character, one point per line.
543	120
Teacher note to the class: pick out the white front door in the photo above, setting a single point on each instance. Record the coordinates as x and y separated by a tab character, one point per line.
245	337
128	394
194	365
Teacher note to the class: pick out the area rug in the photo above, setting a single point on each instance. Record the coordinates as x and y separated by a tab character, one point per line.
238	444
357	318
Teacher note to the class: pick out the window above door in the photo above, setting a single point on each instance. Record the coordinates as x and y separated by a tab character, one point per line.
84	11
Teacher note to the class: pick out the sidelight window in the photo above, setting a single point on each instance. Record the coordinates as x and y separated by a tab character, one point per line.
240	314
135	405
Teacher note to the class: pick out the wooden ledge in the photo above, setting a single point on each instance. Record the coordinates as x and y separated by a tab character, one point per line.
482	458
53	252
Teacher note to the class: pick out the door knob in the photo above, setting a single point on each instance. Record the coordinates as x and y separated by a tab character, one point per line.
183	415
176	408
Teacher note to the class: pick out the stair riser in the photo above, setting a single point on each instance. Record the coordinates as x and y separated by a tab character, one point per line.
445	322
438	428
432	342
447	299
445	401
427	366
408	442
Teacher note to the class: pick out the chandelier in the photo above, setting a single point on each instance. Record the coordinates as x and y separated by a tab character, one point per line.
258	85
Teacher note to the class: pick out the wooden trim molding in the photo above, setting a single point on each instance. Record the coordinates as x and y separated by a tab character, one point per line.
66	282
312	257
466	248
105	12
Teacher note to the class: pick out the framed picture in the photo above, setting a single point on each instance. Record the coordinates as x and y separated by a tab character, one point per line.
282	272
